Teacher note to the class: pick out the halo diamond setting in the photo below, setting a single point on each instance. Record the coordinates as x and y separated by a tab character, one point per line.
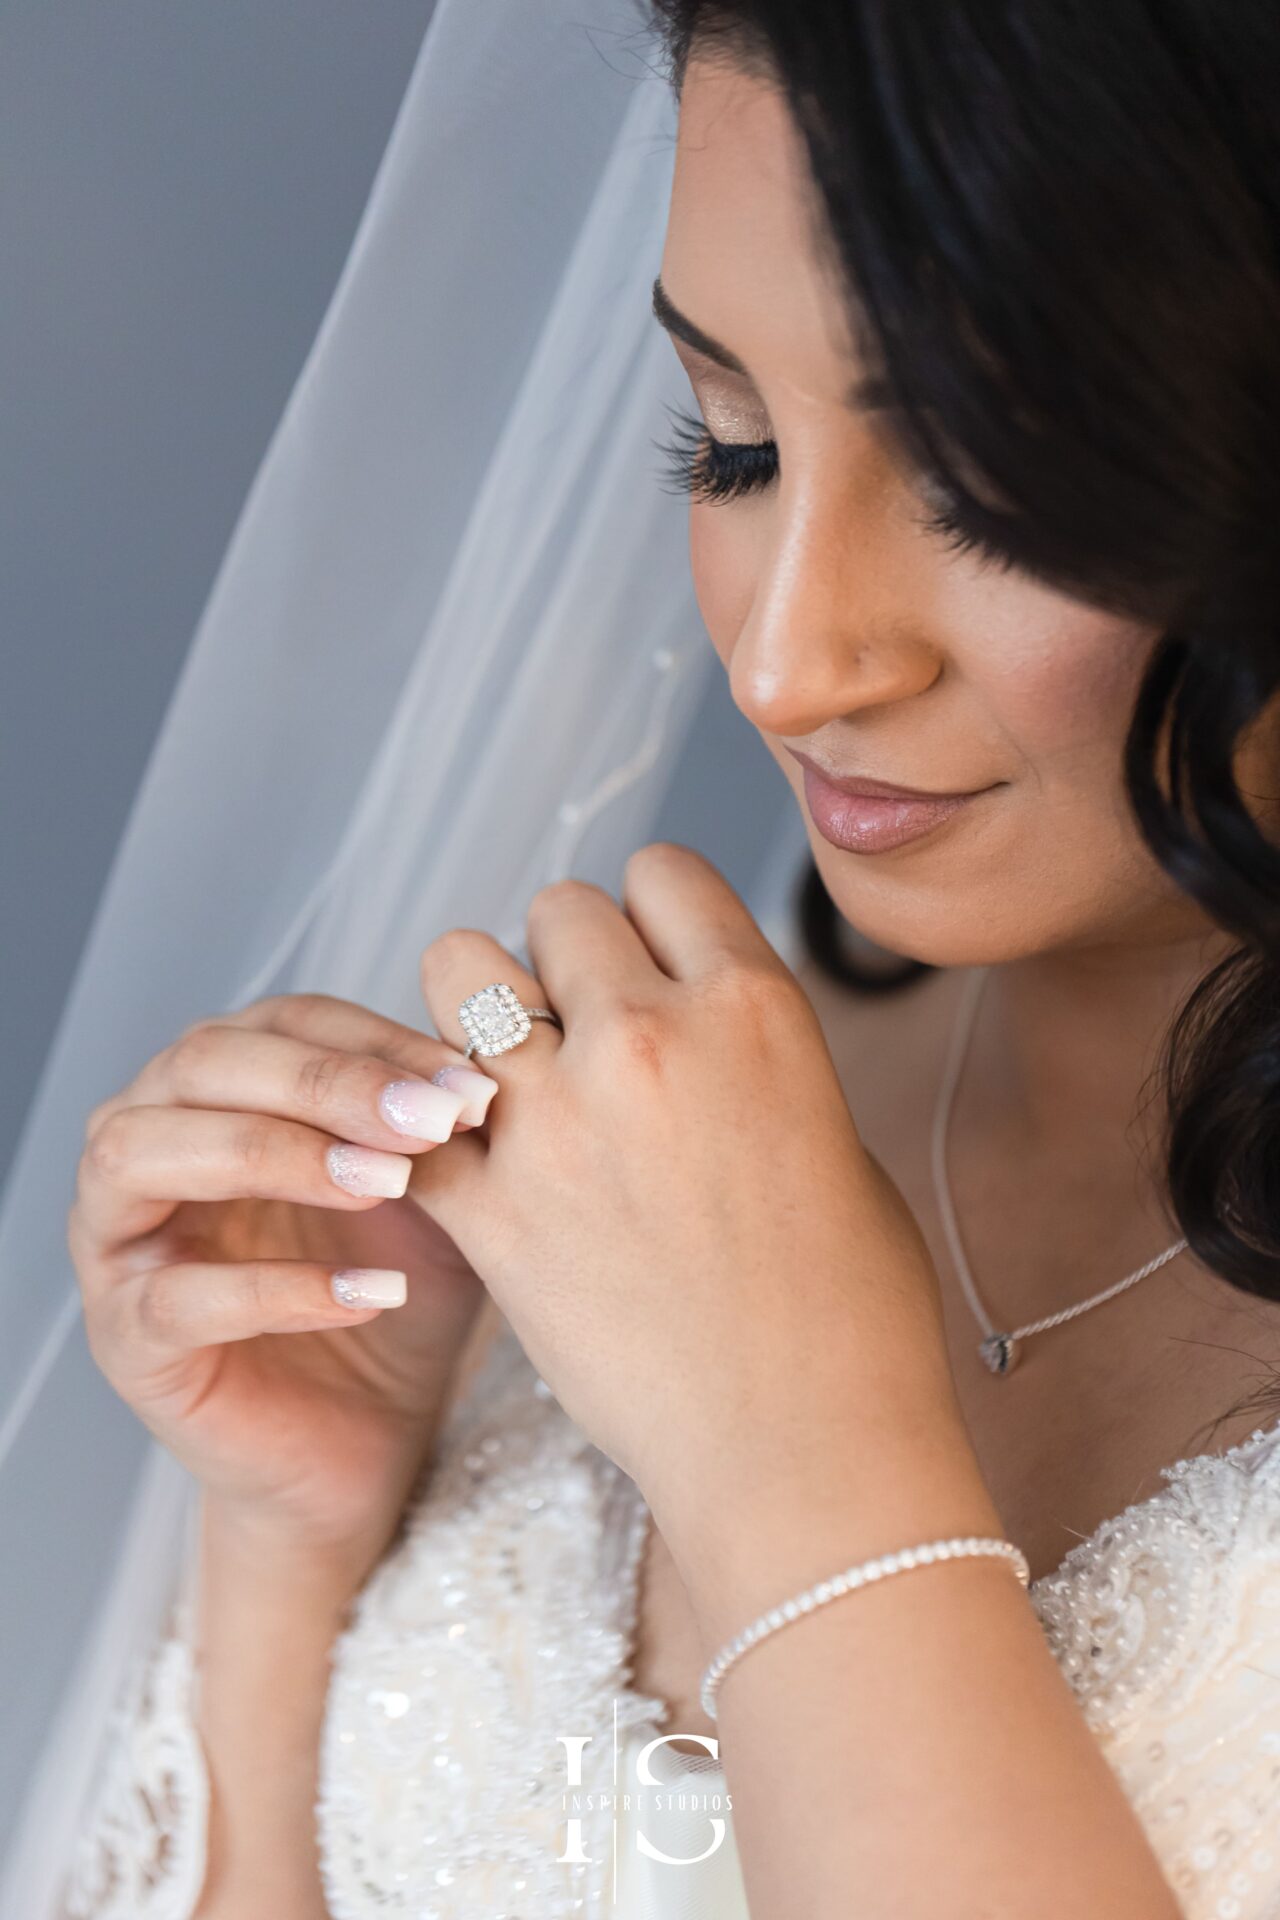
493	1019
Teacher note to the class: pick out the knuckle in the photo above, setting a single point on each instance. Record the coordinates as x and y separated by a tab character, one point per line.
449	946
157	1307
100	1113
191	1053
109	1150
752	993
254	1142
318	1075
254	1291
195	1027
762	984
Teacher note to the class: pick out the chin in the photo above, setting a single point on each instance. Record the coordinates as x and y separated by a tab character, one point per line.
926	913
957	913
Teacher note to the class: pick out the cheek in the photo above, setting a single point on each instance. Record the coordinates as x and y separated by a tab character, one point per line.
1060	683
724	558
1065	855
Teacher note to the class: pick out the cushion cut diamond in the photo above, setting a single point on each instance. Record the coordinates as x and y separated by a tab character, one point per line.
493	1019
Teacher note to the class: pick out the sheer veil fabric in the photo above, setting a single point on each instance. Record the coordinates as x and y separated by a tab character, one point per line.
452	653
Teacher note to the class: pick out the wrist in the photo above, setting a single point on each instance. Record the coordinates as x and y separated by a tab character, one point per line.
269	1551
270	1607
753	1527
268	1613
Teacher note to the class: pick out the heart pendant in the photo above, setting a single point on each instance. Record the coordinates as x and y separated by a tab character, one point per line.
999	1352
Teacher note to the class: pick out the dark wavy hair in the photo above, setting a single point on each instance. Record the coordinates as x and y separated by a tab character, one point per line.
1059	226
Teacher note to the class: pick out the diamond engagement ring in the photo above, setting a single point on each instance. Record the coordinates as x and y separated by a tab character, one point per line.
494	1019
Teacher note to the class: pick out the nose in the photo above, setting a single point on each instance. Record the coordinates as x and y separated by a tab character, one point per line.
838	621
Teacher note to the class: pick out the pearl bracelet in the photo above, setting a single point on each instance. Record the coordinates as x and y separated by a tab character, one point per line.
860	1576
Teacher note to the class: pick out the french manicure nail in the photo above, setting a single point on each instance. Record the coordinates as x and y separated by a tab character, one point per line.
365	1170
419	1108
477	1089
370	1287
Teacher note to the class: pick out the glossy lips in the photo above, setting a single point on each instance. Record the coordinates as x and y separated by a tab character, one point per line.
873	822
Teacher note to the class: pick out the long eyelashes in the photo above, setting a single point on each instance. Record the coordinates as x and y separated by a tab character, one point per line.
711	469
708	469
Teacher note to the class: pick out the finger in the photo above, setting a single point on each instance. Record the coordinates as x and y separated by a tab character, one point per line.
464	961
687	914
342	1023
348	1094
327	1022
586	951
321	1017
145	1161
192	1304
449	1188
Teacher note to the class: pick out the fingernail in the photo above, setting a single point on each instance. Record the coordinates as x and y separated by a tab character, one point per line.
370	1287
417	1107
365	1170
477	1089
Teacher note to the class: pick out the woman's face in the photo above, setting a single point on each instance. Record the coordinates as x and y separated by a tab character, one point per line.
853	633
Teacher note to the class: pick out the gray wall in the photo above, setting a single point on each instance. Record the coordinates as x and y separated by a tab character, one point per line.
179	184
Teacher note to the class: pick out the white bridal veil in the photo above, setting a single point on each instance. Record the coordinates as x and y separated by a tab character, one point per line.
452	652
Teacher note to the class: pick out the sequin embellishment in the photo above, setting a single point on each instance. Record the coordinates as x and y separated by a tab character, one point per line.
504	1618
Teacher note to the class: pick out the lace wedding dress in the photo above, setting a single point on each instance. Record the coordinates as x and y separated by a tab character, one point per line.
492	1646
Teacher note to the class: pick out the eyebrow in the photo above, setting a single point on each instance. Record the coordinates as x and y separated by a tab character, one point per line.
870	392
668	315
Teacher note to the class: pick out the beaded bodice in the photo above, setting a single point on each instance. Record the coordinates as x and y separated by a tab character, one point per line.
495	1638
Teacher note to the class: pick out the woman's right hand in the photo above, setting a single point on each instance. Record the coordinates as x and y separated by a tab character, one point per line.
206	1231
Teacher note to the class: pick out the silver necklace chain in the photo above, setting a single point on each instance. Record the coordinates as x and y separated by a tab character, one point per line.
998	1349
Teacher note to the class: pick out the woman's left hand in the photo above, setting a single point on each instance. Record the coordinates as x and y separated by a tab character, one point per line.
670	1201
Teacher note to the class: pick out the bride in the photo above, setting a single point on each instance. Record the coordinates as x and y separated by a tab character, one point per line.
525	1369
